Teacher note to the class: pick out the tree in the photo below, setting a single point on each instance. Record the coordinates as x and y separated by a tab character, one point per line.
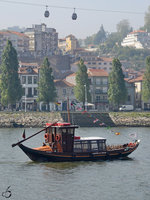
146	81
123	27
46	87
100	36
82	83
147	20
10	86
117	92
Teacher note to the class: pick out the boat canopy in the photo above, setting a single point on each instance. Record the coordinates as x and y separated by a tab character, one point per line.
92	138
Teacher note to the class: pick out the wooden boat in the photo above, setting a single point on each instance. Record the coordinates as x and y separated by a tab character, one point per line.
61	145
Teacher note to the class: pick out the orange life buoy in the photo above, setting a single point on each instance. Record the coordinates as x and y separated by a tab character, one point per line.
46	136
57	138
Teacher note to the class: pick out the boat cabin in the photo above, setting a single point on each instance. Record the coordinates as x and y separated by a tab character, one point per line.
61	138
90	144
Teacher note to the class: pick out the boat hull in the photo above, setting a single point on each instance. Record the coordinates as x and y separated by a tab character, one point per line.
47	156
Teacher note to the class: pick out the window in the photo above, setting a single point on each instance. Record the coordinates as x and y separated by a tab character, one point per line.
29	79
105	80
35	80
94	146
64	91
97	99
98	91
29	92
129	98
35	92
23	91
98	81
23	79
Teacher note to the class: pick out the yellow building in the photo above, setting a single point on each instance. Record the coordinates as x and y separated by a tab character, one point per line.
71	43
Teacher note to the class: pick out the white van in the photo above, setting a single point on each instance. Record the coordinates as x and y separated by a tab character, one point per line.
126	108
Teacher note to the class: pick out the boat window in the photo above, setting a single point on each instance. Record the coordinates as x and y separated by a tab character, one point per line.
77	146
94	146
101	145
85	146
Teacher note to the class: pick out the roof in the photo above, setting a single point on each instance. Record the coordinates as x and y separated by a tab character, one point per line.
92	138
27	70
105	59
13	32
97	72
62	83
138	31
138	79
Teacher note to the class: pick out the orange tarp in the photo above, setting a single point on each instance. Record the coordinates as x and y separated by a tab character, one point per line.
44	148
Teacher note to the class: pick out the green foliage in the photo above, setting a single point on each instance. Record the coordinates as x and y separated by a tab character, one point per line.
97	38
10	87
81	81
117	92
46	87
123	27
146	81
147	20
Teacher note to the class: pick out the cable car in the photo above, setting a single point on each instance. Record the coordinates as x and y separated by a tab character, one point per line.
74	15
46	14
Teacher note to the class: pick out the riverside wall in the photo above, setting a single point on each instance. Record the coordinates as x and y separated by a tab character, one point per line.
83	119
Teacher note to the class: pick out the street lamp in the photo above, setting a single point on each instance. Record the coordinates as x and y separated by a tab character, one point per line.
85	97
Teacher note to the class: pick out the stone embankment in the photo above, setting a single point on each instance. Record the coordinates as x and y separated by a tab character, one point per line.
83	119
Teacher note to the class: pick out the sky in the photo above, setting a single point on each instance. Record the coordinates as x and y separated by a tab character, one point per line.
91	15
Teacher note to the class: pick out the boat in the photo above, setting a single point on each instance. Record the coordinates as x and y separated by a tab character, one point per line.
61	145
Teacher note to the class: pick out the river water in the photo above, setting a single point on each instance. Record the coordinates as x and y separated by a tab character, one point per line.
105	180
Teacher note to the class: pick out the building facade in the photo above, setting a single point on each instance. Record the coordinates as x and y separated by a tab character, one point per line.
137	39
19	41
43	41
29	77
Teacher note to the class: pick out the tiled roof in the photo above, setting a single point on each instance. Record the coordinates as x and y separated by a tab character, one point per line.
24	70
13	32
97	72
138	79
62	83
138	31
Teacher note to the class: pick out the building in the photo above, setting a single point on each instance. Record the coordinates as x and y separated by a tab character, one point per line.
71	43
137	39
98	79
29	80
43	41
19	41
98	88
95	63
65	92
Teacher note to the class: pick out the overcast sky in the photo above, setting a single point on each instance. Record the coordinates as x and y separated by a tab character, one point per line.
88	22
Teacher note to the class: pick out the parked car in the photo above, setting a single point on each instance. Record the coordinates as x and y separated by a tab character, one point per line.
126	108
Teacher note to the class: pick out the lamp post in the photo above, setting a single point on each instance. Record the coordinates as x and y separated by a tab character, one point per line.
85	97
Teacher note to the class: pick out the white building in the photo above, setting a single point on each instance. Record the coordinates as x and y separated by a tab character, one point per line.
137	39
29	80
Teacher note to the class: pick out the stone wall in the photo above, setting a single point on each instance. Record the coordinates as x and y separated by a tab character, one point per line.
39	119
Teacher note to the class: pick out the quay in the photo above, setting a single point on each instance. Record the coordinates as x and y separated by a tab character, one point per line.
83	119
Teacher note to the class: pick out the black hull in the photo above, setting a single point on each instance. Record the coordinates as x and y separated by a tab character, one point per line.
42	156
